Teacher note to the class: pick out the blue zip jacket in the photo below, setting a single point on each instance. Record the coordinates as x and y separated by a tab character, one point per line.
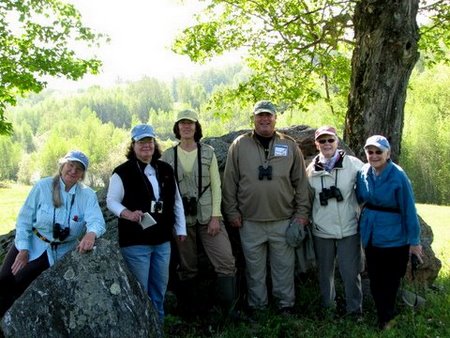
389	218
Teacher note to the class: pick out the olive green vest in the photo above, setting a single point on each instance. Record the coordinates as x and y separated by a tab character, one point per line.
189	183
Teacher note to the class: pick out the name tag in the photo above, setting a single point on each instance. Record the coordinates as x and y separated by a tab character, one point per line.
280	150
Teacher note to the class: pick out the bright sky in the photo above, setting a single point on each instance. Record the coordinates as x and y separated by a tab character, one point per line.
141	33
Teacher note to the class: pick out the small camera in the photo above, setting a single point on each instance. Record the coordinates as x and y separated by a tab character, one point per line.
156	207
264	172
332	192
59	232
190	206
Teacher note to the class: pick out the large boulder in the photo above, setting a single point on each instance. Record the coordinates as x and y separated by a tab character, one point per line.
429	270
84	295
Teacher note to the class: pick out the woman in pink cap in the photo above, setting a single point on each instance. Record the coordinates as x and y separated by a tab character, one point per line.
332	175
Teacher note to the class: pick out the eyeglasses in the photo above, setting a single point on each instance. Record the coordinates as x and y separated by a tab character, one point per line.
145	141
371	152
323	141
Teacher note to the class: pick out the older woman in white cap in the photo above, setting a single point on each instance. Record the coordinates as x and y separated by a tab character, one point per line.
57	212
390	230
332	176
197	175
143	194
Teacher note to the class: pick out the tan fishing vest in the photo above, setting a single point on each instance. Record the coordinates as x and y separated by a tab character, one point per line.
189	183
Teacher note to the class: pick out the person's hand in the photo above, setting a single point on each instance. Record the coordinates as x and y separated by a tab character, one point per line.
236	223
20	261
134	216
416	250
214	226
181	238
87	242
302	220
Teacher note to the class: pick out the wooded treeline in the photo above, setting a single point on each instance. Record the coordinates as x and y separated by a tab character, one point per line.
97	121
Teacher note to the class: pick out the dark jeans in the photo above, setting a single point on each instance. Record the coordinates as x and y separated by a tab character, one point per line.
386	268
12	286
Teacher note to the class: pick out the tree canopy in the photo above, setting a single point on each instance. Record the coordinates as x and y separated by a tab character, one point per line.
38	38
293	45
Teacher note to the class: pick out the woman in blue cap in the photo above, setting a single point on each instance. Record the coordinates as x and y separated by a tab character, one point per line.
390	229
57	212
142	188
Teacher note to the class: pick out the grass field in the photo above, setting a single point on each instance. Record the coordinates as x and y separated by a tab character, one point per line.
12	198
438	218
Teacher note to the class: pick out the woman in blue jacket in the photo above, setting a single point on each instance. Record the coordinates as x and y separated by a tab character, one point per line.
389	227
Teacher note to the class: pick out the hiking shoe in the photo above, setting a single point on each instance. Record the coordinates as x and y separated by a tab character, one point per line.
286	311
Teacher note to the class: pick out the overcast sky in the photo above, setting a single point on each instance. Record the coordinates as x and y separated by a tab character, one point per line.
141	33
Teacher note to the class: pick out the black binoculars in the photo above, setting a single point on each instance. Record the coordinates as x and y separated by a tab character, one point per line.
265	172
332	192
59	232
189	205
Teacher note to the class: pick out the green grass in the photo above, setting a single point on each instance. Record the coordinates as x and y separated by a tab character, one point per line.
12	197
437	217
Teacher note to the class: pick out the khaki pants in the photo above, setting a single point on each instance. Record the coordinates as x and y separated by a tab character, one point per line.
258	239
217	248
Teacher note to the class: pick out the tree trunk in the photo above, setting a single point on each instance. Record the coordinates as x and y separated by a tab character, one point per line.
386	35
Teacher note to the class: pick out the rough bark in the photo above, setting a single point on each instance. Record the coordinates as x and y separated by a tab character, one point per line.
386	37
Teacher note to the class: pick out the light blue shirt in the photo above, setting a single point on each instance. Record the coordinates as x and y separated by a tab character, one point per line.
79	210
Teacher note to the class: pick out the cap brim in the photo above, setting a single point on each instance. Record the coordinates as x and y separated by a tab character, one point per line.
377	145
140	137
325	133
186	118
73	159
260	111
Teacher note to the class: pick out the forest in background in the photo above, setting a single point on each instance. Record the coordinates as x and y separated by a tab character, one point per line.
98	120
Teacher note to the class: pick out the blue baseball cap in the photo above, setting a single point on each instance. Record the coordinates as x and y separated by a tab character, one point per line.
142	131
76	155
378	141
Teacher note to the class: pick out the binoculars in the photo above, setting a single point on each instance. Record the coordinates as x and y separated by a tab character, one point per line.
264	172
332	192
59	232
189	205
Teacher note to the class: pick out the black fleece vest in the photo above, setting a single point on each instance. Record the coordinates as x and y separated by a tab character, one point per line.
138	196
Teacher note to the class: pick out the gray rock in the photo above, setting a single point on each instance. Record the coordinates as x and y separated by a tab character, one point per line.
84	295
